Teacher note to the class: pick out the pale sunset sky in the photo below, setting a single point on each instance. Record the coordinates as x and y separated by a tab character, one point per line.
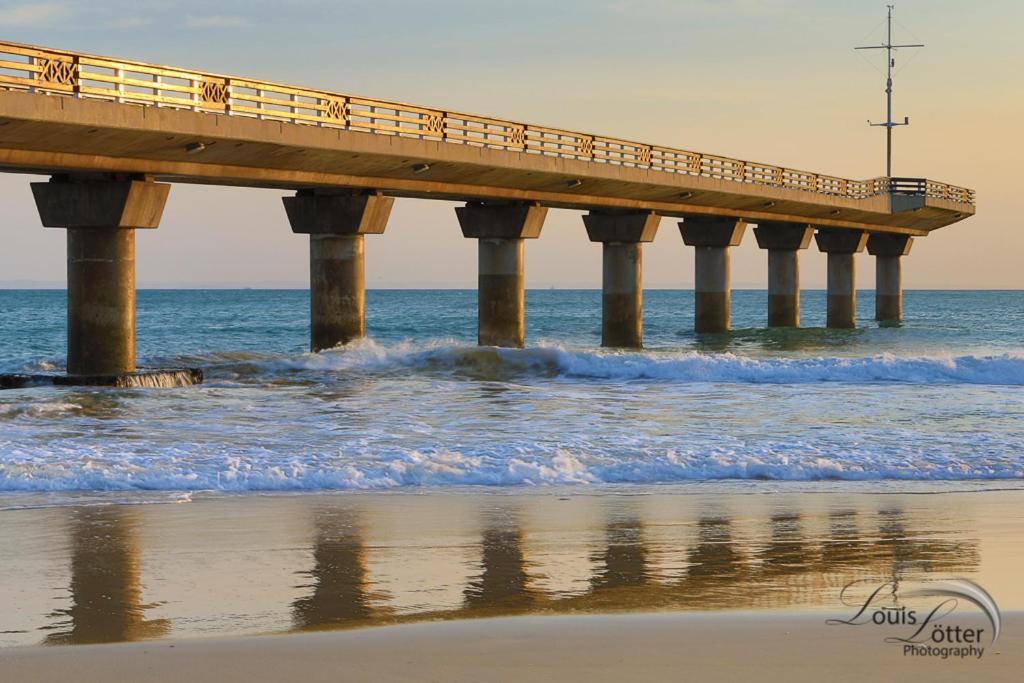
771	81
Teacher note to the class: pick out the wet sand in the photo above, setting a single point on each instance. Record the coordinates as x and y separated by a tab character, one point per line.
598	583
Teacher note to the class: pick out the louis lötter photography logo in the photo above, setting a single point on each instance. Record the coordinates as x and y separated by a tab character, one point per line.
929	619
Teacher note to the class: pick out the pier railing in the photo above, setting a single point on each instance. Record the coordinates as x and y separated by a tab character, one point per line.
58	72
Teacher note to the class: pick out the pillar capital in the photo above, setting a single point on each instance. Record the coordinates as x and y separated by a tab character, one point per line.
889	244
501	220
712	231
841	241
625	227
338	212
783	236
100	202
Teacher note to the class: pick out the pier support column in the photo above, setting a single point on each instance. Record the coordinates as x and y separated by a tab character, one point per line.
888	251
100	214
622	236
336	222
783	242
712	237
500	229
841	245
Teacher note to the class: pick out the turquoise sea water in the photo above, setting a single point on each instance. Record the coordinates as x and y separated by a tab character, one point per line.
418	404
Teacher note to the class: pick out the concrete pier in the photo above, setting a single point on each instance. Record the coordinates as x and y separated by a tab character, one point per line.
888	251
500	229
100	215
783	241
622	236
336	222
711	237
841	245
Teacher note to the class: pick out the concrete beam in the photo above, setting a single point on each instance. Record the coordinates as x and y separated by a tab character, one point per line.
501	220
711	237
889	245
336	223
783	242
501	229
628	227
78	202
622	235
783	236
841	241
889	251
323	212
841	245
100	216
712	231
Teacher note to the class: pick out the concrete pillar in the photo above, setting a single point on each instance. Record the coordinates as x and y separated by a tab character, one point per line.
712	237
841	245
888	250
783	242
336	221
501	291
501	229
100	215
337	287
622	236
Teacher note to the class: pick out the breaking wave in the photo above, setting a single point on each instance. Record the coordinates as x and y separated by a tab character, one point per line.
256	472
691	366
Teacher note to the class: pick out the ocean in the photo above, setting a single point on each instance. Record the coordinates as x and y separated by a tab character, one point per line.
937	402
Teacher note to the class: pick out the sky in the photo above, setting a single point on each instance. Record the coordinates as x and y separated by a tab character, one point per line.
773	81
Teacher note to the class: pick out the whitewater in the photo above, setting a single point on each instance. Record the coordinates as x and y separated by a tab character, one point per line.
419	405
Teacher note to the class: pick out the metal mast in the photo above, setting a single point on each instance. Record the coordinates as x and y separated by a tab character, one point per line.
890	63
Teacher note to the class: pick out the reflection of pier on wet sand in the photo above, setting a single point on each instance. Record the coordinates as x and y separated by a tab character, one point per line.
304	563
106	592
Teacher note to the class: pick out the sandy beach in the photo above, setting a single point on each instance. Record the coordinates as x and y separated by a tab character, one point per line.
705	647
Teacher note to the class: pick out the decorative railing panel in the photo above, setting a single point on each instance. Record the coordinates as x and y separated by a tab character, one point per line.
65	73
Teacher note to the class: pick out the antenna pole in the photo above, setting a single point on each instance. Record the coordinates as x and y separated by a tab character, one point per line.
888	98
889	124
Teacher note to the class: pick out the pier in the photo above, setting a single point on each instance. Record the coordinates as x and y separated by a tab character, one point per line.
114	135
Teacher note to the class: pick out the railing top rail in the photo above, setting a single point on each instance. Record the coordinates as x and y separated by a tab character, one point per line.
28	67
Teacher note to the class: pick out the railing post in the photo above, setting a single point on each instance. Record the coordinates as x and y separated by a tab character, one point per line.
157	80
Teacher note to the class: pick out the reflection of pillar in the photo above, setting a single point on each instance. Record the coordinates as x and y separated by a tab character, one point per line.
503	583
106	595
625	556
340	594
906	549
713	557
786	552
844	547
